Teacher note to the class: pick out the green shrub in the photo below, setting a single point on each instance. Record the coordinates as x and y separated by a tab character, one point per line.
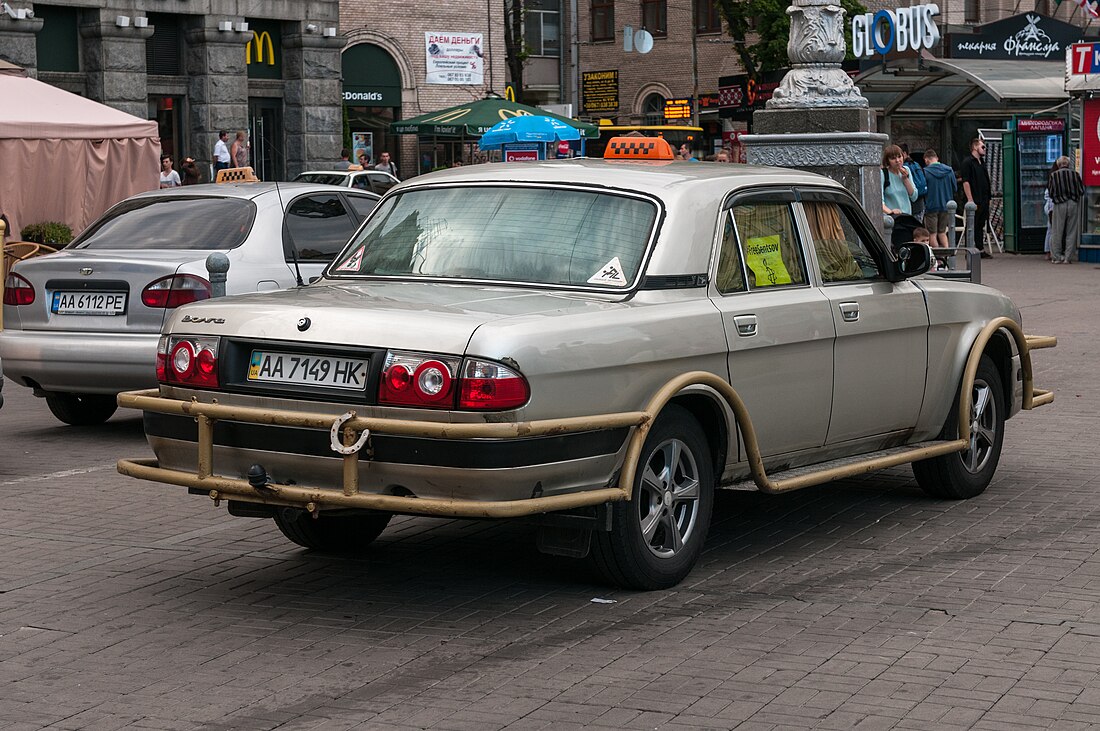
51	233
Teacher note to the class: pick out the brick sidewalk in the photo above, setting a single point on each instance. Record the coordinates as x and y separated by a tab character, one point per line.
861	604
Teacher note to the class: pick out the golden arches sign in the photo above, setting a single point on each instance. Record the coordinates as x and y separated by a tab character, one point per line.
510	93
507	113
258	40
452	116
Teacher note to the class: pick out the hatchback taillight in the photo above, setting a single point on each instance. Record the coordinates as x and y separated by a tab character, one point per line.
17	291
175	290
188	361
439	382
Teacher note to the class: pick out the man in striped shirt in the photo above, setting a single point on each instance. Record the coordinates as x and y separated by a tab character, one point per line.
1065	188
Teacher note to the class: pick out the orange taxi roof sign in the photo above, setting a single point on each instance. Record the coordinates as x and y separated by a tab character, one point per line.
638	148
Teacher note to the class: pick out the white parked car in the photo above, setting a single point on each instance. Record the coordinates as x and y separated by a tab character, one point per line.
82	325
376	181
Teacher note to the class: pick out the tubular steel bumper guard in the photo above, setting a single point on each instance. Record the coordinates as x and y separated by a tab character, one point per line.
353	432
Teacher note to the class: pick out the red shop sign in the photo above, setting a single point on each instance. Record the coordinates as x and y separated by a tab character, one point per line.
1090	143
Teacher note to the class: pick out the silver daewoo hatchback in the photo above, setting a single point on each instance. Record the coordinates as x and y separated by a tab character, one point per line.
595	345
82	325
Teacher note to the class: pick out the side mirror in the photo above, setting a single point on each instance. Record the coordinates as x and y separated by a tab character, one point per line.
914	259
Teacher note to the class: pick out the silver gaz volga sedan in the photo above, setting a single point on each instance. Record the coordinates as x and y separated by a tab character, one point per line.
82	325
594	345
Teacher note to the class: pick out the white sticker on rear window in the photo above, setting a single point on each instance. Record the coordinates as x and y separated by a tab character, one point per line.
610	273
353	262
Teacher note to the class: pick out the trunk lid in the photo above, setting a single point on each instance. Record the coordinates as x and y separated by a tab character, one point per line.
57	278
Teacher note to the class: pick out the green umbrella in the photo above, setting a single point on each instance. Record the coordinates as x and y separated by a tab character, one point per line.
475	118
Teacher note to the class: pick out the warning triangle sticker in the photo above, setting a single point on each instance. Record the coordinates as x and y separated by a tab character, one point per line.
353	262
610	273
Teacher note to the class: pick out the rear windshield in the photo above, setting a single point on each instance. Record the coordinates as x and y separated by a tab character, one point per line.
322	178
551	236
171	223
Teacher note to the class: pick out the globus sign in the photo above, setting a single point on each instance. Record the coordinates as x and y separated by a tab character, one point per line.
903	29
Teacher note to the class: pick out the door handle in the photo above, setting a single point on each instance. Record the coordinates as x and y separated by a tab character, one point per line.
849	311
746	325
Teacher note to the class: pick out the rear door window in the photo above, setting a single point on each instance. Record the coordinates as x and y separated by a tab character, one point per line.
769	246
380	182
171	222
318	226
362	205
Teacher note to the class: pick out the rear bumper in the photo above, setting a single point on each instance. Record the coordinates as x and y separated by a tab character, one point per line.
80	362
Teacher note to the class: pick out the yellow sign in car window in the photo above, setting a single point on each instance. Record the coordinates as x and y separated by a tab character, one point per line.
764	258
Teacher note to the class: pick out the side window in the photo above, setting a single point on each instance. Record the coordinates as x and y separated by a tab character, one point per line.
361	182
319	226
769	245
362	205
842	253
381	183
731	277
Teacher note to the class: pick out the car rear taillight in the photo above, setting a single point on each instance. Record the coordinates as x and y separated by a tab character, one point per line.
487	386
17	291
414	379
432	381
188	361
175	290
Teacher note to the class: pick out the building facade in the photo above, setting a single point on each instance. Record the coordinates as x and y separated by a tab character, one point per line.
391	71
197	67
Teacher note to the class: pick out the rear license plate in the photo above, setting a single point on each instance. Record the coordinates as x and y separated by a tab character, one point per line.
88	303
307	370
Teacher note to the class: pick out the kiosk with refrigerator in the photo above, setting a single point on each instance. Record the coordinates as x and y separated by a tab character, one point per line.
1030	148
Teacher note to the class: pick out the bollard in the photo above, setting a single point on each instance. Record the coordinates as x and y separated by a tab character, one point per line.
952	208
217	264
888	229
971	209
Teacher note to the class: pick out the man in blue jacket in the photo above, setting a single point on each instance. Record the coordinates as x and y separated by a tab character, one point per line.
941	183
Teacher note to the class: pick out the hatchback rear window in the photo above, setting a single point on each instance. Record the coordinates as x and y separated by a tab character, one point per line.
171	223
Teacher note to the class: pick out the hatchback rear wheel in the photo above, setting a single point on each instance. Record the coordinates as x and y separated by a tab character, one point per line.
657	536
81	409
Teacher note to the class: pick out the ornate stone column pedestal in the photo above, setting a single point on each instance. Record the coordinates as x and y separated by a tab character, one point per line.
817	119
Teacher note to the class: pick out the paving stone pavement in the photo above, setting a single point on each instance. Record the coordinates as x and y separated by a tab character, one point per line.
862	604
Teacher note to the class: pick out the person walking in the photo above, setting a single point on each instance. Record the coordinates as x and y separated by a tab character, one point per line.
941	186
239	151
191	175
169	178
687	152
1066	189
221	153
978	191
916	173
386	165
345	161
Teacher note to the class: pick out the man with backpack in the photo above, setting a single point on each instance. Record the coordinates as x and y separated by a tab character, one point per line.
941	188
916	172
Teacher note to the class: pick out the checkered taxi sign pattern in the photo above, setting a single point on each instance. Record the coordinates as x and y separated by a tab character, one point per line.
638	148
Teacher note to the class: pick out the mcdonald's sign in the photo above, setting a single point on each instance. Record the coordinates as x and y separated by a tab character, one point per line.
263	52
255	48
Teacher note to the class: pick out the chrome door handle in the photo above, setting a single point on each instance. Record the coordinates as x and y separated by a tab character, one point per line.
849	311
746	325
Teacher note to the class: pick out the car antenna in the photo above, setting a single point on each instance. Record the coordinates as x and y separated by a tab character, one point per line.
287	234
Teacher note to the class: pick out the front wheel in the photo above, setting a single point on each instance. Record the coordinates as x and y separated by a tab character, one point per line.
331	533
657	536
966	474
81	409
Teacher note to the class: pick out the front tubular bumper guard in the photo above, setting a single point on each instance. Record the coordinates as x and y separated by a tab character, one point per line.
354	430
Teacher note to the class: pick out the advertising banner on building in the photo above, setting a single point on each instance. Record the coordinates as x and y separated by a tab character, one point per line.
600	91
1083	67
1090	143
454	58
1028	36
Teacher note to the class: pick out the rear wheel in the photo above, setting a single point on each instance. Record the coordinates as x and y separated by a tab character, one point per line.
966	474
81	409
657	536
331	533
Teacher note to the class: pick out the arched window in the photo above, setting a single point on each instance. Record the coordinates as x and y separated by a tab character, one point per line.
653	109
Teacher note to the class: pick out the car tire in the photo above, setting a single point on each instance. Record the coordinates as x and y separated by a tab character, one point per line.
656	537
966	474
331	533
81	409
